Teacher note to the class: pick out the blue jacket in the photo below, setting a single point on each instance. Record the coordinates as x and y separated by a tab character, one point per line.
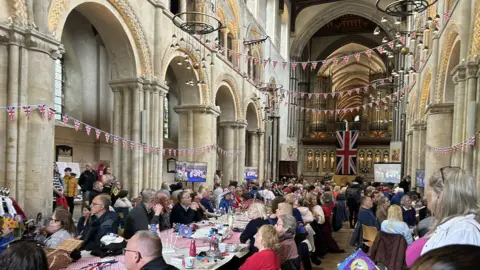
226	204
368	218
208	205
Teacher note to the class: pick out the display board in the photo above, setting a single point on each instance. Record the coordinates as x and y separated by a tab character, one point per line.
192	171
387	172
251	173
420	178
72	165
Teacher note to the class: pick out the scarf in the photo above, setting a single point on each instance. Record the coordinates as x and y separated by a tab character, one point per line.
285	236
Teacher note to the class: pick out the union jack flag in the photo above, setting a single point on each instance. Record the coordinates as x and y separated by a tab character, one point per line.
11	112
27	111
346	152
42	109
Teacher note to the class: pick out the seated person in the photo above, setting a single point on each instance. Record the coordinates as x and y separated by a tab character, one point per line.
365	215
266	240
226	203
24	255
287	249
103	222
61	227
394	224
206	201
144	251
258	217
83	220
238	199
148	211
185	212
97	189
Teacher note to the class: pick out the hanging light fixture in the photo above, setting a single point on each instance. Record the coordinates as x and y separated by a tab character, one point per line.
426	28
437	18
394	73
399	45
411	70
429	20
435	30
390	55
179	63
420	43
376	31
397	35
398	21
384	40
425	49
383	20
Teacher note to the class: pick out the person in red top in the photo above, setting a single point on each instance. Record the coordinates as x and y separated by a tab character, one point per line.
238	200
266	240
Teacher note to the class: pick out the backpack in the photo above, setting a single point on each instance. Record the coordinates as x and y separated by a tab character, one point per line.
353	195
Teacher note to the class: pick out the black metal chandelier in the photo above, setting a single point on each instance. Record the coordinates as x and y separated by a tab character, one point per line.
404	8
197	23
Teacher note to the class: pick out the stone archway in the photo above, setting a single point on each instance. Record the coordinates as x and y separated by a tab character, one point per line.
451	35
254	138
308	29
448	84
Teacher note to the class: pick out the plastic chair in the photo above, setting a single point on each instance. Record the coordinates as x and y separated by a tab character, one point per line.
369	234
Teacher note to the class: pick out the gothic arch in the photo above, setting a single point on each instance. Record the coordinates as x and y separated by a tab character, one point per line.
229	80
354	7
451	34
123	13
425	95
170	55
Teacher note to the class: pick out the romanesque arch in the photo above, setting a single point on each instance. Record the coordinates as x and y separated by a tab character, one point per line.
425	95
229	80
252	116
451	34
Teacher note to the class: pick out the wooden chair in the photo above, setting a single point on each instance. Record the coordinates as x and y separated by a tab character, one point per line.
369	234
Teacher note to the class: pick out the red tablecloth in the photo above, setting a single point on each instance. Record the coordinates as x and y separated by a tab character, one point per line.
91	260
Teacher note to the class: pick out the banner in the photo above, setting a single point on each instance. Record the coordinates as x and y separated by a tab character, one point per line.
251	173
192	171
72	165
346	152
396	152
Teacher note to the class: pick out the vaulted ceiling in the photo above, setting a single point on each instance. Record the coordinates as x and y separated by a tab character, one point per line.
299	5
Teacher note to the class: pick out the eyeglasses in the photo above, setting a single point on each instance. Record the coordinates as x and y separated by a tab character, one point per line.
130	250
96	204
447	167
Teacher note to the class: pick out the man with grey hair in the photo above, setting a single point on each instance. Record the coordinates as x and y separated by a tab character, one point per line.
147	212
144	252
97	190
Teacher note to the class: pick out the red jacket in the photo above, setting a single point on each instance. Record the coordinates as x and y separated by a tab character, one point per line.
263	260
389	249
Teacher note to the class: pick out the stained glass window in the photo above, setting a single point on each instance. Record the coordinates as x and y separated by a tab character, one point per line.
165	117
59	89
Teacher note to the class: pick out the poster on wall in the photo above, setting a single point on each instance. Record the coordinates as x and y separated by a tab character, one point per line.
72	165
192	171
396	152
420	178
251	173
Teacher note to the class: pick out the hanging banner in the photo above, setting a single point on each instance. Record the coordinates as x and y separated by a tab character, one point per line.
251	173
395	152
192	171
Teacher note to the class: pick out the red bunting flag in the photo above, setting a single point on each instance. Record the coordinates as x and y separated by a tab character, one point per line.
274	62
11	112
255	60
390	44
230	53
87	129
357	56
41	109
314	65
238	56
247	57
107	137
346	58
284	65
51	114
152	149
145	148
115	140
324	63
139	146
335	61
77	125
132	145
402	40
294	65
27	111
304	65
309	95
380	49
265	62
124	143
97	133
369	52
65	119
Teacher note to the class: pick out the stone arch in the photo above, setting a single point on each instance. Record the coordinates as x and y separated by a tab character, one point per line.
358	39
225	99
119	10
229	80
221	16
328	14
252	116
232	29
236	14
474	47
453	61
200	74
451	34
425	95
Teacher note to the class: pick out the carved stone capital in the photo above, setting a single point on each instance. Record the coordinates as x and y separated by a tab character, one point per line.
459	73
31	39
126	84
472	69
208	109
260	132
439	108
234	124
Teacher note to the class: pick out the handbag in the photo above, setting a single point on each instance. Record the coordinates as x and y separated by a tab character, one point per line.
62	201
57	258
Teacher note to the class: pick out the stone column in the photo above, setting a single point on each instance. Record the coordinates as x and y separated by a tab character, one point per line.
472	70
422	136
117	127
408	154
241	132
228	130
252	149
137	153
225	42
415	148
126	124
161	90
459	76
146	134
434	56
261	155
439	134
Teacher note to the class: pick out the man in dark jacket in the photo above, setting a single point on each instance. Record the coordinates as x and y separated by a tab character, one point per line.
354	194
145	213
405	184
97	190
185	212
144	252
86	180
103	222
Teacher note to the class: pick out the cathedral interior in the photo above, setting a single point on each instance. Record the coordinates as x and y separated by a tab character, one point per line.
234	84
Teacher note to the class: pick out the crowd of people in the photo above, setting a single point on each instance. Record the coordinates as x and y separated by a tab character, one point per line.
290	222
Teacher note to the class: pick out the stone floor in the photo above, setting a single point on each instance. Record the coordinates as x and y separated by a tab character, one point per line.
331	260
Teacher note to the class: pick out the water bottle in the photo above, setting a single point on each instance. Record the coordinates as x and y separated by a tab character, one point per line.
193	249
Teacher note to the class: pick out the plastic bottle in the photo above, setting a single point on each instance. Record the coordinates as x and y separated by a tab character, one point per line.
193	249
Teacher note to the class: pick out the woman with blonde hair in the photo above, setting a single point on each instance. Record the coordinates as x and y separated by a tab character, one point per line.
452	198
266	258
258	217
382	209
394	224
336	191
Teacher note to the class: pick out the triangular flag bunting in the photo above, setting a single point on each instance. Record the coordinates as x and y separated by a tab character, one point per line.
275	62
107	137
77	125
11	112
304	65
87	129
41	109
357	56
97	133
27	111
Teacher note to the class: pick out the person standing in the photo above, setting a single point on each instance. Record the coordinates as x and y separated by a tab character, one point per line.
354	195
86	180
71	188
108	179
405	184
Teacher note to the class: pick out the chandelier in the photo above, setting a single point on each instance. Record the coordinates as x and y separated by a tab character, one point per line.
197	20
404	8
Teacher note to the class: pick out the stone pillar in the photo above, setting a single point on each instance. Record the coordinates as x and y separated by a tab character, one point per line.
117	127
261	155
459	76
408	154
439	134
434	56
472	70
228	130
225	42
241	132
146	136
422	136
252	149
415	148
126	124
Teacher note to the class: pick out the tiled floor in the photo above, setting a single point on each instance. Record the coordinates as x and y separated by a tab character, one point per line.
331	260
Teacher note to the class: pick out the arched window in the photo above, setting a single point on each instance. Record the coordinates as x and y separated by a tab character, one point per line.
166	133
59	88
175	6
230	47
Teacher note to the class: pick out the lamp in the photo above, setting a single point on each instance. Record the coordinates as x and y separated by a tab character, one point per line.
429	20
437	18
384	40
376	31
383	20
398	21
